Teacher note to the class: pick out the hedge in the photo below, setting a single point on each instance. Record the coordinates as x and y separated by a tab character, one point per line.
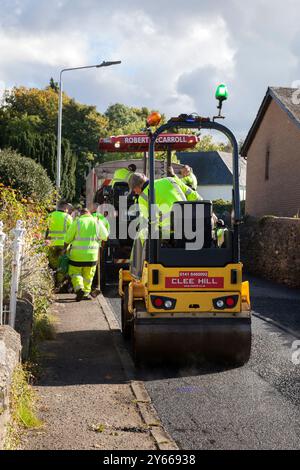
25	175
223	209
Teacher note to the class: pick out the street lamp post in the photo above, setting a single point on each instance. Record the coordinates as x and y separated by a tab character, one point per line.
58	160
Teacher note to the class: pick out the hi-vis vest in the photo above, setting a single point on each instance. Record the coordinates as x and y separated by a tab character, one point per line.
190	181
103	219
121	175
58	224
167	191
220	235
85	235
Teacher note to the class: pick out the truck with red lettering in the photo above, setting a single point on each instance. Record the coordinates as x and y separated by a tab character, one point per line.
116	252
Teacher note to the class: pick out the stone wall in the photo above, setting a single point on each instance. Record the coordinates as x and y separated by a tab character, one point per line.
270	248
23	325
10	351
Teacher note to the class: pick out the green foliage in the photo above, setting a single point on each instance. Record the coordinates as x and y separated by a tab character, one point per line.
35	279
25	175
43	326
22	406
223	208
207	144
69	168
121	117
54	85
25	102
123	120
42	149
13	206
28	124
23	399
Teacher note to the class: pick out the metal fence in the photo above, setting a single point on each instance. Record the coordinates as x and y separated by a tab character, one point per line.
18	236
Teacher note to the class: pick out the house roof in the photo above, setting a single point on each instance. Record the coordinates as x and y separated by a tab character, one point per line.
284	98
106	170
212	168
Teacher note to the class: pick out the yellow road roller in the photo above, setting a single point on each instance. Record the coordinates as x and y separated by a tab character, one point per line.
186	304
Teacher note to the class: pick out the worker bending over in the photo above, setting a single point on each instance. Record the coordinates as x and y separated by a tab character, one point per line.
58	223
85	236
122	175
188	177
167	192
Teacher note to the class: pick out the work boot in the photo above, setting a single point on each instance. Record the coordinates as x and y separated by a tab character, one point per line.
95	293
87	297
63	288
79	295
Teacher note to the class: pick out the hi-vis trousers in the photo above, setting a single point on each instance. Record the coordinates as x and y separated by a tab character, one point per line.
53	257
82	277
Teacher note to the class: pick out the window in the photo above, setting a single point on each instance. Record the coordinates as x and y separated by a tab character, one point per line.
267	164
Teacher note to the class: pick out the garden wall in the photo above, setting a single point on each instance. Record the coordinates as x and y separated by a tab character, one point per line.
270	248
10	350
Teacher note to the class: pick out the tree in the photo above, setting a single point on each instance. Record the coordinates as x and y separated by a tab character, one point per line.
125	120
42	149
207	144
42	104
54	85
28	123
120	116
25	175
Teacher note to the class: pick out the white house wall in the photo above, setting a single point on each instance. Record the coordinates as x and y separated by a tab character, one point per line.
213	192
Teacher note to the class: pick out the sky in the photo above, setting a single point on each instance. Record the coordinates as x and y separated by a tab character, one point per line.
173	53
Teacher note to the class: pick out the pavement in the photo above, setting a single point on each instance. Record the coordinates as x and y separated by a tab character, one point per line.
85	399
252	407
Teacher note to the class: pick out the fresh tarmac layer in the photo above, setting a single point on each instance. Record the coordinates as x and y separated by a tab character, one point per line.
252	407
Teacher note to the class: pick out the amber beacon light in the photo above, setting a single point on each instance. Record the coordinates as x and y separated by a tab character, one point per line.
153	119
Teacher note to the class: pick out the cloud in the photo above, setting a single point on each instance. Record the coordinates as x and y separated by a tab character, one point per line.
41	50
173	54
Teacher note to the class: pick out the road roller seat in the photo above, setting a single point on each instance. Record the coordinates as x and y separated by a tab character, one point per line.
191	215
118	190
174	252
111	194
179	253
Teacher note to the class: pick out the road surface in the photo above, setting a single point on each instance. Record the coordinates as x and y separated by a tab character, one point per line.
252	407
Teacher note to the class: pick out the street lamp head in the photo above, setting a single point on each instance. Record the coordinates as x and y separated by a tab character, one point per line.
58	164
108	63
